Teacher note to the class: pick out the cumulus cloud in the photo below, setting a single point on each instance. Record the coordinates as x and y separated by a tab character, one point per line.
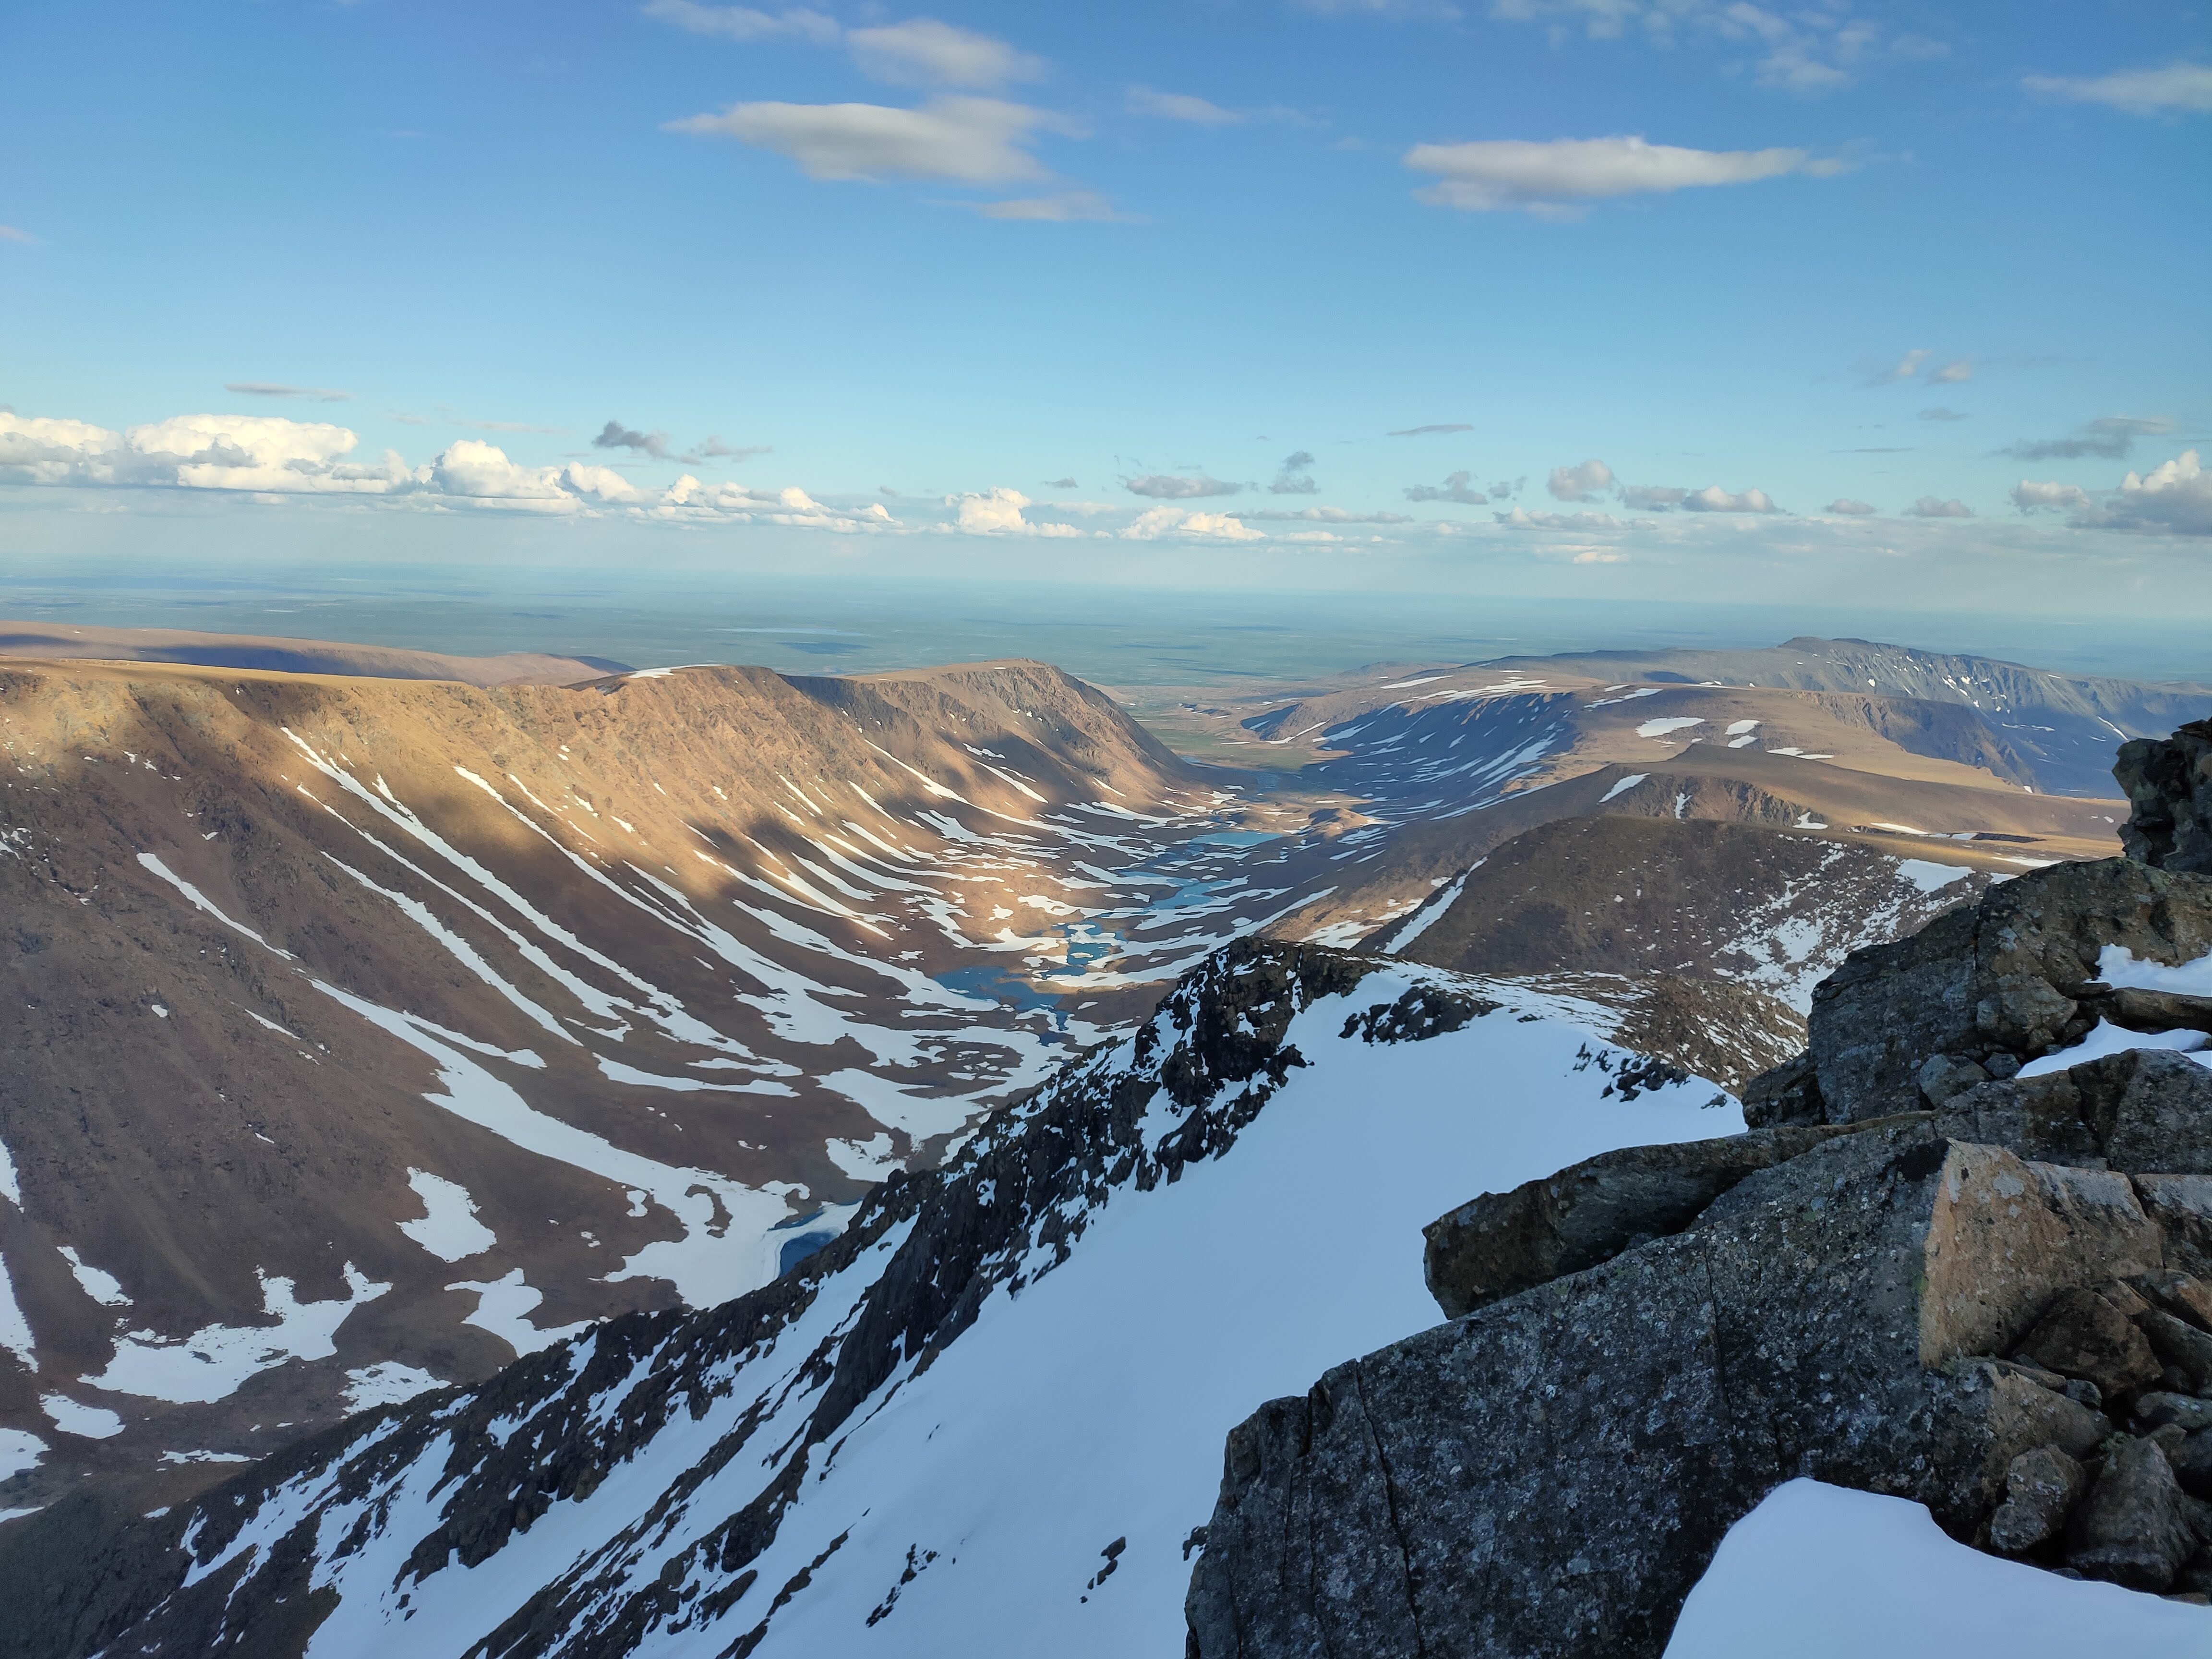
1521	519
1559	177
1929	507
2175	497
744	23
1178	487
924	52
1653	498
2109	437
267	457
1585	482
1713	499
1293	479
2179	86
2030	495
999	513
1458	487
1329	515
960	140
1179	106
1156	522
1422	431
1059	207
615	435
1848	507
314	394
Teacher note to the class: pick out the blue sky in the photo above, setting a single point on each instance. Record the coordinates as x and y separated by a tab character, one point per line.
1697	299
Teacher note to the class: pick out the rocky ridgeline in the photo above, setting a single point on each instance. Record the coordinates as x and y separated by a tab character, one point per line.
1921	1273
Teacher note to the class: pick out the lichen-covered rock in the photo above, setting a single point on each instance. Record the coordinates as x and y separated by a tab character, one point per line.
2134	1527
1549	1474
2182	1346
2168	783
1500	1243
1945	1075
2140	1110
2041	1488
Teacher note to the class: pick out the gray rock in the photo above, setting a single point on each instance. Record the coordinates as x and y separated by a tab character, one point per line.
2000	1064
2041	1488
2182	1346
2005	978
2181	1206
2158	1011
1945	1075
1786	1094
2187	1411
2140	1110
2168	782
2084	1335
1502	1243
2132	1529
1550	1474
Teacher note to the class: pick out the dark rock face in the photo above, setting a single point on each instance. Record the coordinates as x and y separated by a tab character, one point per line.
2142	1110
1551	1474
2082	1334
2134	1529
2040	1488
2169	788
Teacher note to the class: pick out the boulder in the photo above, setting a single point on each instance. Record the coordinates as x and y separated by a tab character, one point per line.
2041	1488
1549	1474
2179	1294
1500	1244
2084	1335
2134	1527
2140	1110
2186	1411
2181	1347
1945	1075
2168	782
2192	1463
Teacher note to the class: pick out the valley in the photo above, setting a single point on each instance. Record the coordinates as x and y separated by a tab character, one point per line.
371	1030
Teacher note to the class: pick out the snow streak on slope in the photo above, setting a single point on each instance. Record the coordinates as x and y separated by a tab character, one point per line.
988	1418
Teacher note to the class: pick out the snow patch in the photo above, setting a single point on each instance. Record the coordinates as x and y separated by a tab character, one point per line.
448	1227
1624	786
74	1416
213	1361
501	1307
1931	878
386	1384
2118	968
2111	1039
1661	728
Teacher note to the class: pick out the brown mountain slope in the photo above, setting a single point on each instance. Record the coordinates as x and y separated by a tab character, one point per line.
361	1033
63	642
1775	910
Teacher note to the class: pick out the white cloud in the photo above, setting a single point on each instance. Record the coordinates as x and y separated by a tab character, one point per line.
2110	436
1060	207
1930	506
1848	507
12	234
2030	493
268	459
970	141
999	513
1585	482
2175	497
1653	498
1179	106
1555	178
1156	522
743	23
1713	499
1521	519
1907	367
1178	487
2139	92
924	52
1953	372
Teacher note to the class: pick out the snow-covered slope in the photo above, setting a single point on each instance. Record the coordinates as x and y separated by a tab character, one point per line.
985	1421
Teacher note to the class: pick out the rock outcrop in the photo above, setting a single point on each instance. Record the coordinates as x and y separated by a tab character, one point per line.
2169	788
1924	1275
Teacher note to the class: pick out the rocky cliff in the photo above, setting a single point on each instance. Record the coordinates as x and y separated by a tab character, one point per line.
1966	1260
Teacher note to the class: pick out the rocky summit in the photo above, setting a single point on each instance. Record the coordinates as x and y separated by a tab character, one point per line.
1964	1256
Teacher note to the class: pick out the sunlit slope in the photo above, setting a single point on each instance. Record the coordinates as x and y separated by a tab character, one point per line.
363	1033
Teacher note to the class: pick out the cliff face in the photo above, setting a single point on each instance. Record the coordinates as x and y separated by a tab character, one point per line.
1970	1264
